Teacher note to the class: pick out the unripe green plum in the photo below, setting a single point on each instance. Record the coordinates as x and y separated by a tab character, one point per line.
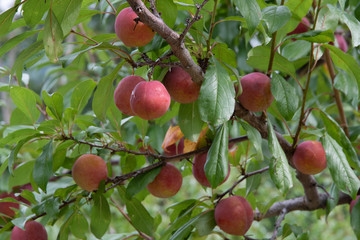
131	31
167	183
309	157
33	231
88	171
199	172
234	215
180	86
150	100
123	92
256	93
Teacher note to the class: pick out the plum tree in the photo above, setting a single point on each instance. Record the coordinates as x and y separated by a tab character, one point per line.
309	157
6	208
199	172
167	183
234	215
60	62
256	92
130	30
180	85
88	171
150	100
33	231
123	92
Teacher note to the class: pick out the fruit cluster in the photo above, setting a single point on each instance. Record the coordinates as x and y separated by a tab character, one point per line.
134	96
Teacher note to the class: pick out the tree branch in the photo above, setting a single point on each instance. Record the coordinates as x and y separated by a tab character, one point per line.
278	223
171	37
299	204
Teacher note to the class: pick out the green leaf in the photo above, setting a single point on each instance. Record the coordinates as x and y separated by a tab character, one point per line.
34	10
205	223
351	22
25	100
253	182
6	20
355	219
185	229
81	94
287	100
254	137
43	166
258	58
251	11
276	17
104	94
3	166
217	95
316	36
21	174
279	166
53	37
67	12
332	201
79	225
224	54
348	85
25	55
68	59
334	130
168	11
138	214
140	182
100	215
11	43
217	166
189	121
16	136
341	172
299	9
345	61
114	116
296	50
55	103
14	152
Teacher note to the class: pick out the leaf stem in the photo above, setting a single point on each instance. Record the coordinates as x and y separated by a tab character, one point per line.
212	25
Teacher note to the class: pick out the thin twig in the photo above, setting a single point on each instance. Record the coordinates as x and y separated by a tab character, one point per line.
212	26
273	49
195	18
278	223
114	9
306	88
336	93
247	175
